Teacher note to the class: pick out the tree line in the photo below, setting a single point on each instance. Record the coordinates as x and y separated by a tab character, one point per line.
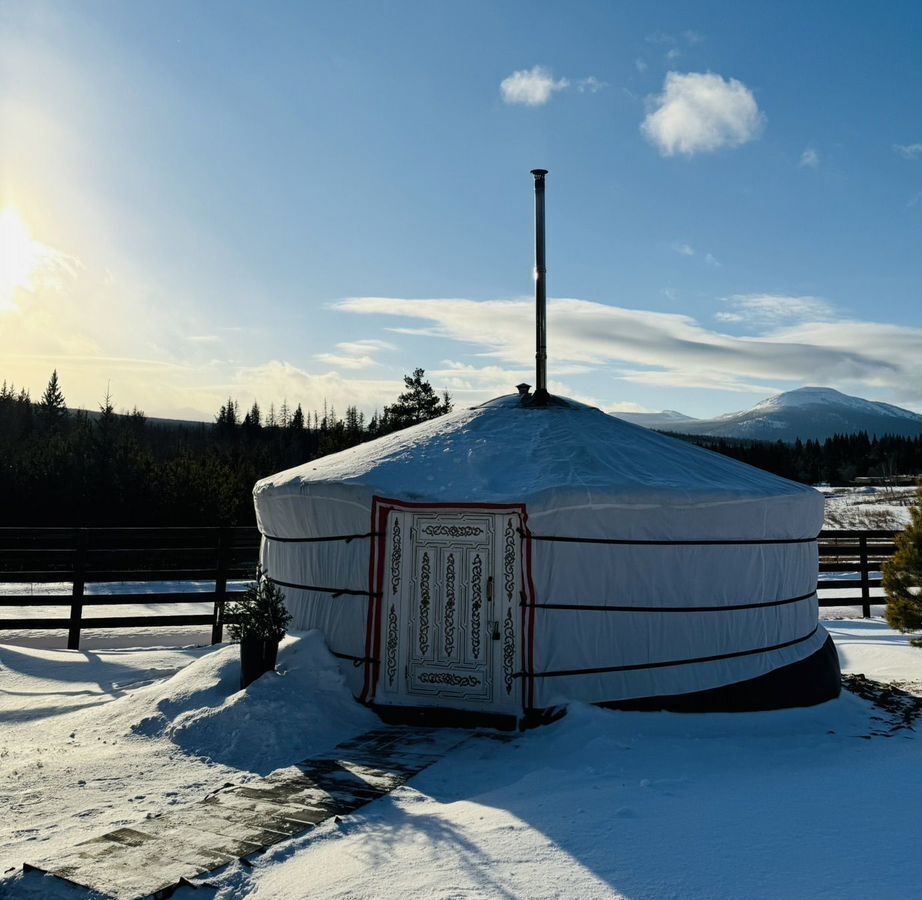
65	467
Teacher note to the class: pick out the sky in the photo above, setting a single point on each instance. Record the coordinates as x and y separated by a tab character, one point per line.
305	201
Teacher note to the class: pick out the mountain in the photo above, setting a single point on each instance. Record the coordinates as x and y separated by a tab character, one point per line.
667	420
808	412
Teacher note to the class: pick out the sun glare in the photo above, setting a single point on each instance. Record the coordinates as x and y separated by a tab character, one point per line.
22	259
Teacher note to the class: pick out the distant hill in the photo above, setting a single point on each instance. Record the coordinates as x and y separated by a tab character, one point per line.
667	420
807	413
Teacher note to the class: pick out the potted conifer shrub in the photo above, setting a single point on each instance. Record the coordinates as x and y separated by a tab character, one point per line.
258	620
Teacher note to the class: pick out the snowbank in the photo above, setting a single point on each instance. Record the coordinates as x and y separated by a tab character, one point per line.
92	740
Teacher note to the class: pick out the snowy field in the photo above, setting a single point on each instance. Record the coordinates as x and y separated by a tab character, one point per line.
867	507
797	803
822	802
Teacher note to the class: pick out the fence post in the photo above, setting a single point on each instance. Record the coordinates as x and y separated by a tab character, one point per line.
865	581
76	606
220	588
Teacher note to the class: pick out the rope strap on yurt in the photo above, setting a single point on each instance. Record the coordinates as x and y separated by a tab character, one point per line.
356	660
563	539
336	592
600	670
677	609
348	538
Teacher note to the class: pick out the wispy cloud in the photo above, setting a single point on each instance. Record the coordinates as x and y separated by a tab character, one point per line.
683	249
536	86
355	354
590	85
908	151
771	309
700	113
640	64
792	339
809	159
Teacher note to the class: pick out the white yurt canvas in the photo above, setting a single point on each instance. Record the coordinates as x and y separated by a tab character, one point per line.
516	555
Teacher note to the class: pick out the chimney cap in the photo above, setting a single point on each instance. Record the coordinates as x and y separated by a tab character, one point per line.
539	172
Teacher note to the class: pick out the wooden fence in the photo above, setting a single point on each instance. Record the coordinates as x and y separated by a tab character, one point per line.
81	556
856	557
849	560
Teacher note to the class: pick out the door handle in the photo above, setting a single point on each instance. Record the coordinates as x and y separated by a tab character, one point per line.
490	589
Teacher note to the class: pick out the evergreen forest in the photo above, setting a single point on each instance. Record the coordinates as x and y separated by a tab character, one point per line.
66	467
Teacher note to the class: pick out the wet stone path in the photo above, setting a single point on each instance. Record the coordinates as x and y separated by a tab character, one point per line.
158	855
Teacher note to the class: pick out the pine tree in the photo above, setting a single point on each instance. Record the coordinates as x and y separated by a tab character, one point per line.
418	403
903	576
52	405
297	419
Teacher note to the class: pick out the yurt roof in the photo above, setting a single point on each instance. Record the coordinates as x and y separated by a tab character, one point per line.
507	451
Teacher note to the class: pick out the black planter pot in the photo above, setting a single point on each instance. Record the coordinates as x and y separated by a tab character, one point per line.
257	656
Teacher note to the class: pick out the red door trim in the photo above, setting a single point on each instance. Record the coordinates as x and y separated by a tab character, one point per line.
380	510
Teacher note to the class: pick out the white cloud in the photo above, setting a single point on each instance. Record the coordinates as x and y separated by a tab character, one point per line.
684	249
535	86
908	151
673	54
793	340
355	354
700	113
531	87
692	37
712	260
809	159
769	309
590	85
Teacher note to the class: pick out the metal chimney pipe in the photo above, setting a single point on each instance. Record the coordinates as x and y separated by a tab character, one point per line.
540	289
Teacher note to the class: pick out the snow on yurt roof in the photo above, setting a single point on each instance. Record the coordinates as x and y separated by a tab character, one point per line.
508	451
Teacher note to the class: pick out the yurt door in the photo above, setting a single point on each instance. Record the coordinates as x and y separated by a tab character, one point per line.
450	617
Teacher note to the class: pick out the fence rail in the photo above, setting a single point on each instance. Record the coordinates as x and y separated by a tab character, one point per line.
858	554
82	556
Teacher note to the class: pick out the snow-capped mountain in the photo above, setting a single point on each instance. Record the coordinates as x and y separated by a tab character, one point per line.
667	420
808	412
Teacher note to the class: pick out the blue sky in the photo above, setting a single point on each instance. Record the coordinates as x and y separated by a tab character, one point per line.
308	200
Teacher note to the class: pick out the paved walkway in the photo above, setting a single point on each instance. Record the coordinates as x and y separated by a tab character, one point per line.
155	857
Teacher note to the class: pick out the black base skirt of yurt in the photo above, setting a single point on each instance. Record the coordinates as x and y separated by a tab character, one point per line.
813	680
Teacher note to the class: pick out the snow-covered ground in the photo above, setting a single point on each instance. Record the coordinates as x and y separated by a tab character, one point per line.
796	803
867	507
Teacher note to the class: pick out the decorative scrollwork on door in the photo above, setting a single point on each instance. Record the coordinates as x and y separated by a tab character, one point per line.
425	602
508	650
452	530
450	605
509	560
476	604
395	556
392	645
449	678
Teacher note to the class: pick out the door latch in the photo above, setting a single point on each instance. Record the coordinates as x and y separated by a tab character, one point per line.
490	589
494	630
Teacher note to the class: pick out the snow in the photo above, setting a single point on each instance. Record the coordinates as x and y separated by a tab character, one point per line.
92	740
601	804
868	506
501	451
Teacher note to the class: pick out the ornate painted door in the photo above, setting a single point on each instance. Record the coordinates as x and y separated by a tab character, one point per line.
450	618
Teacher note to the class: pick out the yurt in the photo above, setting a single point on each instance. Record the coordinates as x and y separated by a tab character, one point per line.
529	551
